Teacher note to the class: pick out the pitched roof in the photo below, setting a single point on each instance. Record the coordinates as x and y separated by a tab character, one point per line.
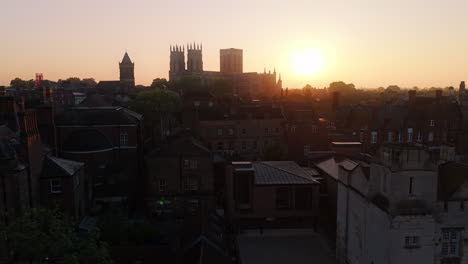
331	165
282	172
58	167
111	115
126	59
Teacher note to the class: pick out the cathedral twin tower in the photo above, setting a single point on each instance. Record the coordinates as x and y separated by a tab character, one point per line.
194	59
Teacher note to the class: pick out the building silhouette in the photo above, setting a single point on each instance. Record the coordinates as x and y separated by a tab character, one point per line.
244	84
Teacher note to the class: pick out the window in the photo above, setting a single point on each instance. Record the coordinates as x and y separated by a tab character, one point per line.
384	182
450	243
412	242
430	136
231	131
123	138
410	135
399	137
373	137
196	103
283	198
314	130
462	205
56	186
390	136
419	139
254	145
210	104
219	132
277	130
192	164
191	184
162	185
410	189
266	130
266	143
220	146
244	131
244	145
361	137
431	123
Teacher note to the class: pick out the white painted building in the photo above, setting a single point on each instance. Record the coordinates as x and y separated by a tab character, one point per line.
400	208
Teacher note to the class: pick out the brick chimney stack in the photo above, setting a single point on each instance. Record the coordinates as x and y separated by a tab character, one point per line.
411	96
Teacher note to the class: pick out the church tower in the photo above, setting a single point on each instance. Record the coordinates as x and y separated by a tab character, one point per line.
194	58
127	76
177	62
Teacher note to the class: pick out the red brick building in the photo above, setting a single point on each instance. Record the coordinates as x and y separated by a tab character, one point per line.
272	194
108	140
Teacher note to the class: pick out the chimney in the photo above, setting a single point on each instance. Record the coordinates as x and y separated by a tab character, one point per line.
438	96
411	96
335	101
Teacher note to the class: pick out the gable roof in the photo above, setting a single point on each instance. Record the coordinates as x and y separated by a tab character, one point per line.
282	172
58	167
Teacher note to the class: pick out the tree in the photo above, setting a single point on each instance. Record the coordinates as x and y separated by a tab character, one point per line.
157	103
90	82
44	234
18	83
393	88
73	80
160	83
341	87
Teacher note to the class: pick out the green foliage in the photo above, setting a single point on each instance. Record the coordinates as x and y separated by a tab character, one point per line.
160	83
18	83
341	87
115	231
89	82
156	100
41	234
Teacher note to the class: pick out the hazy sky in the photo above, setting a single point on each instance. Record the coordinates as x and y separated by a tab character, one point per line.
368	42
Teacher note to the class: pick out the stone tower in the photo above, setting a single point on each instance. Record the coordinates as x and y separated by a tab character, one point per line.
194	58
230	60
177	62
127	76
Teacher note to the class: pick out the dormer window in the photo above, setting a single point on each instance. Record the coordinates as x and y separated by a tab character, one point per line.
431	123
419	139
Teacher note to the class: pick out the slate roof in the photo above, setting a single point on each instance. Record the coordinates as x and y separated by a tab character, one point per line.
331	165
86	140
111	115
282	172
181	144
58	167
242	113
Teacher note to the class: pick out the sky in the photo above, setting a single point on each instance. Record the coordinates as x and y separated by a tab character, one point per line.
370	43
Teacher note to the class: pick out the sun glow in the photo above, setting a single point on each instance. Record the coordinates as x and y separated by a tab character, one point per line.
307	63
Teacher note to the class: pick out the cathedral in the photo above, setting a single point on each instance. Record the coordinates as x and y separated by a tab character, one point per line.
245	84
120	90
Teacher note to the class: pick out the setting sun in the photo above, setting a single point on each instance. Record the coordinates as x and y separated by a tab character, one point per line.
307	62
